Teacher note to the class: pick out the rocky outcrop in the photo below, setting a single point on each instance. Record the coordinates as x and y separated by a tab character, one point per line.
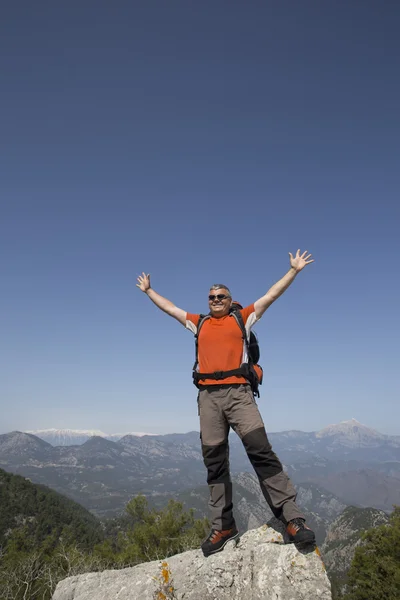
259	567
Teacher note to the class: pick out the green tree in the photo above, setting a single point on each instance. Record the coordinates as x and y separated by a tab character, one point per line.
31	571
45	537
375	571
43	512
155	534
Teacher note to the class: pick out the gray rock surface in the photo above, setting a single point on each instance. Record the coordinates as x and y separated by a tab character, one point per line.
259	567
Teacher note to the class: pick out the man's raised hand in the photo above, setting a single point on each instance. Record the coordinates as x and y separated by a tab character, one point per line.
143	282
299	261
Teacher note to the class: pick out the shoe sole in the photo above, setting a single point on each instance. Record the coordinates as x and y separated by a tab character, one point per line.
234	537
304	545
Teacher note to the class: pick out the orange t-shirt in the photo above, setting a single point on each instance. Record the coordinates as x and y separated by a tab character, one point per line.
221	346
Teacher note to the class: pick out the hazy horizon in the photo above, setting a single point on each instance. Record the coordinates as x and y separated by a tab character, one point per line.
131	432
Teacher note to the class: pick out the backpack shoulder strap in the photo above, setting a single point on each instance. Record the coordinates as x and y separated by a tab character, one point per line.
239	320
202	318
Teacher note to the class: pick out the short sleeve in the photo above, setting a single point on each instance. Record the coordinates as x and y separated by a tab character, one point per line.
249	316
191	322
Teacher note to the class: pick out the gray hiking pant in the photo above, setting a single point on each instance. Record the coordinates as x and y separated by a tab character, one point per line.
222	407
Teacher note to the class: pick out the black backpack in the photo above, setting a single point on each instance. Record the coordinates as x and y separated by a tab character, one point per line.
251	370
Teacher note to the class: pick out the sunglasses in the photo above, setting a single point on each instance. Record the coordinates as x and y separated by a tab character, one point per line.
212	297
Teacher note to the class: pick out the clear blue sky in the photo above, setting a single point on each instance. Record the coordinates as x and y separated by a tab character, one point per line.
200	142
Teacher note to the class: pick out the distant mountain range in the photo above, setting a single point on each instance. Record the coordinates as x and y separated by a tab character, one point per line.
72	437
340	439
348	461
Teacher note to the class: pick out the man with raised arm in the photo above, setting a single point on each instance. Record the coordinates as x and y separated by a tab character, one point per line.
227	402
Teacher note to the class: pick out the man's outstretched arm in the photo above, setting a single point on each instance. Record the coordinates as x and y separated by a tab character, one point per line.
297	264
166	305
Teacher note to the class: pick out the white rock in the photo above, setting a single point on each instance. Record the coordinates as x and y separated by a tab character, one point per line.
259	567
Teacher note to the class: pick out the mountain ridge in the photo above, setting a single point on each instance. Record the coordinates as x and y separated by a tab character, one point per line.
352	429
104	474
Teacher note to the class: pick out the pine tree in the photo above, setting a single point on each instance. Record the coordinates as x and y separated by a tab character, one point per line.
155	534
375	571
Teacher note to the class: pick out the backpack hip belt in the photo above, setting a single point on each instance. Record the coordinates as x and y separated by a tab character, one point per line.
242	371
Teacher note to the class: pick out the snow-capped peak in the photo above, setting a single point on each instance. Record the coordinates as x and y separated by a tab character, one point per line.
72	437
68	432
351	432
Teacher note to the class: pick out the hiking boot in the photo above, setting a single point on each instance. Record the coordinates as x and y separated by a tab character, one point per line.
300	534
217	540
